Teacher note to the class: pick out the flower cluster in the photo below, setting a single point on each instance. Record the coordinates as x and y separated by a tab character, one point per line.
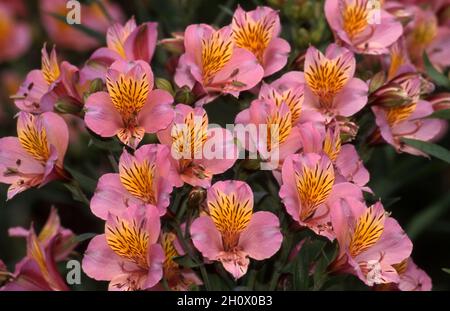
181	203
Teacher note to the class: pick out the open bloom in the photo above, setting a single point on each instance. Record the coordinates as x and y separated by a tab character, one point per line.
412	278
212	64
348	165
330	84
271	130
309	189
123	42
407	120
15	37
69	37
290	89
36	156
178	278
370	242
127	254
363	25
38	83
146	177
38	270
198	152
131	107
257	31
231	233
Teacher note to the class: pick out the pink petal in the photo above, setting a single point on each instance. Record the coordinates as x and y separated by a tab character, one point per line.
262	238
101	116
99	261
157	112
141	43
206	237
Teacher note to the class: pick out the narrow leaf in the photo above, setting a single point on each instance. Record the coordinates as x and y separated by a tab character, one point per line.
441	114
429	148
435	75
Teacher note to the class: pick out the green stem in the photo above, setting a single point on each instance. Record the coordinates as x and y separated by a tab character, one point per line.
194	258
280	264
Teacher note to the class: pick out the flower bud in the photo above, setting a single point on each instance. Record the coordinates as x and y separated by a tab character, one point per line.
196	197
96	86
68	105
165	85
184	96
440	101
377	81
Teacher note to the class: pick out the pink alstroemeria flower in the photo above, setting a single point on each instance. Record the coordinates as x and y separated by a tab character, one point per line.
212	64
412	278
178	278
271	130
128	254
127	42
257	31
290	88
38	271
423	34
408	120
232	233
198	153
39	82
36	156
147	177
69	37
131	107
362	25
330	84
370	242
345	158
309	189
15	36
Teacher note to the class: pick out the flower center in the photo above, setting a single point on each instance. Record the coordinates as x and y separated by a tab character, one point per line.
424	32
33	138
138	179
128	94
314	185
216	53
117	35
230	217
355	18
278	129
369	228
292	98
398	114
5	27
189	137
332	144
49	67
327	77
129	240
253	36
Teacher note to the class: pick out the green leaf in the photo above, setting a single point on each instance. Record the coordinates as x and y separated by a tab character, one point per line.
446	270
86	183
111	144
75	240
186	261
429	148
428	216
329	254
441	114
309	251
88	31
435	75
